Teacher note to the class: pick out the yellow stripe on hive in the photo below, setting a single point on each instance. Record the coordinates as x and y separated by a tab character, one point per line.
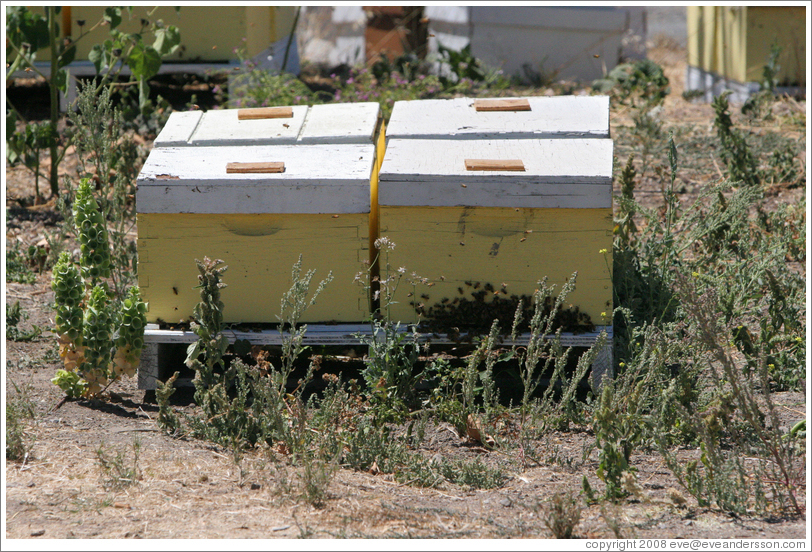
496	245
260	251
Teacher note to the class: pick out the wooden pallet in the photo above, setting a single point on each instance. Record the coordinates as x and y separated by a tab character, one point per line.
152	367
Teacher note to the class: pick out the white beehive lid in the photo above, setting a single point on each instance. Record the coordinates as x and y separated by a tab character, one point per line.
315	179
319	124
469	118
574	173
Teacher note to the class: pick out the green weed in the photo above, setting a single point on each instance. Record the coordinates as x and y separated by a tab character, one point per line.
562	515
18	265
15	315
119	469
20	413
741	164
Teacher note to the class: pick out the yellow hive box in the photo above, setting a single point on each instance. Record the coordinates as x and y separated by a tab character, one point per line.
208	33
497	199
728	47
202	196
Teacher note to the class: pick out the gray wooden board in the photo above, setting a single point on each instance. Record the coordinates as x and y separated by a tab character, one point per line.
549	117
149	370
347	334
575	173
317	179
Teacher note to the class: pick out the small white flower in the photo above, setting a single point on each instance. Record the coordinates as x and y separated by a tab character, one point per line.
402	270
384	244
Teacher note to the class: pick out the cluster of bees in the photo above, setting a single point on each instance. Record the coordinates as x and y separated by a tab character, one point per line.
474	315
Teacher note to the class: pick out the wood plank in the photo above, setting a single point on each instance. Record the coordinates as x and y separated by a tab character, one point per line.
222	127
454	119
156	341
494	165
502	105
265	167
328	178
524	194
252	113
340	123
348	334
574	173
178	129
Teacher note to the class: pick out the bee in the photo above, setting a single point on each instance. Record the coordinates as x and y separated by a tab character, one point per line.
460	290
523	239
488	287
476	285
175	291
430	284
596	56
464	185
285	125
468	283
424	297
442	278
462	243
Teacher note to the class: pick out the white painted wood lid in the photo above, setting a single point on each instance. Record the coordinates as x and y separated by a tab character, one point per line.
316	179
548	117
350	123
574	173
319	124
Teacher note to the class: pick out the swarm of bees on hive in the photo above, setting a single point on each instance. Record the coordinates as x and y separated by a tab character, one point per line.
473	316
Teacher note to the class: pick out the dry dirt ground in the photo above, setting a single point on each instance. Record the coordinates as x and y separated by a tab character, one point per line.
191	489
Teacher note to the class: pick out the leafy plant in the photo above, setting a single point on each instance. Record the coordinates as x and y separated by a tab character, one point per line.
758	105
617	432
28	32
15	315
748	393
260	88
740	162
363	86
119	470
88	315
20	409
18	266
107	157
562	515
634	82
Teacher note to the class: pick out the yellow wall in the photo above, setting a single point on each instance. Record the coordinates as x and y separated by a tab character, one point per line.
735	41
452	245
208	33
259	251
787	26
